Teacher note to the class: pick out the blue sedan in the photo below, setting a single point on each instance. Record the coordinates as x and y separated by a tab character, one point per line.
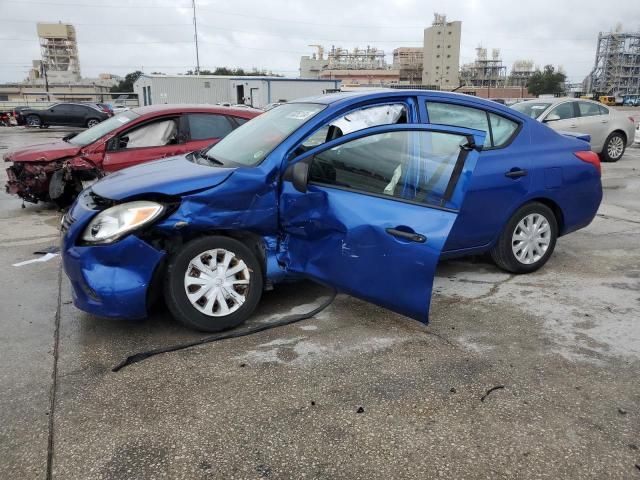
364	192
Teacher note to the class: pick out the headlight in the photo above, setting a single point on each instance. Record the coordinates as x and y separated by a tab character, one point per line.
111	224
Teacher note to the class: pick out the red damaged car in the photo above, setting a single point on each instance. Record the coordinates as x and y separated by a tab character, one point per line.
58	171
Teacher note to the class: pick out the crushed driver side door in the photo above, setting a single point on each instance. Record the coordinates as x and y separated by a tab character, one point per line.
369	213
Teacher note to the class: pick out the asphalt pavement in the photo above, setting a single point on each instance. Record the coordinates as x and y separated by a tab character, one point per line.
523	377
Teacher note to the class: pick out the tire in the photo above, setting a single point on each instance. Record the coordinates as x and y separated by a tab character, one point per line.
92	122
33	121
614	147
505	253
205	314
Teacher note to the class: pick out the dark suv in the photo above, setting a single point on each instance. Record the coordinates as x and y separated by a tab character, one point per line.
67	114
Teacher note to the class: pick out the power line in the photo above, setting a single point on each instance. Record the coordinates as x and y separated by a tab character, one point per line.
219	12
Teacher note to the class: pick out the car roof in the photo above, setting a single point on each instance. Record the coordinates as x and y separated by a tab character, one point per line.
348	97
186	108
557	100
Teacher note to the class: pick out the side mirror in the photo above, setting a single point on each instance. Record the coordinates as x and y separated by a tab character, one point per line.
552	117
298	175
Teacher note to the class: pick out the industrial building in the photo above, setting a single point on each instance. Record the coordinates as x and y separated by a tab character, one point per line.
408	62
56	75
59	50
255	91
521	73
441	61
359	66
484	71
617	64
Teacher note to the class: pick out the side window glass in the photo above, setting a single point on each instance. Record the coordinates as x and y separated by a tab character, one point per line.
156	134
562	111
409	165
588	109
459	116
502	129
240	120
204	126
356	120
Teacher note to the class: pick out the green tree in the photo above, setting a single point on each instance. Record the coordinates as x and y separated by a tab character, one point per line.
548	81
240	72
126	85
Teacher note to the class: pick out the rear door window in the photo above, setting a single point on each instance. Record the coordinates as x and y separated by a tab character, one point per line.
588	109
499	129
203	126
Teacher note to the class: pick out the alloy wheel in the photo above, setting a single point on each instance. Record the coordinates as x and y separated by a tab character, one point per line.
531	238
217	282
92	123
615	148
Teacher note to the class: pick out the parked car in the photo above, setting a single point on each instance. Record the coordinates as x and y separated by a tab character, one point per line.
119	108
363	191
18	115
105	107
58	171
611	131
64	114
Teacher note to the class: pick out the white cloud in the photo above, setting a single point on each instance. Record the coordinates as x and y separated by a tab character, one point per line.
157	34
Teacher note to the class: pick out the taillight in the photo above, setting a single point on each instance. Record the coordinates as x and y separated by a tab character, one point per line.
590	157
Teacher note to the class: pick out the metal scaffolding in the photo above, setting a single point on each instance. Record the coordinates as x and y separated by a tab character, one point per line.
484	71
617	64
59	50
369	58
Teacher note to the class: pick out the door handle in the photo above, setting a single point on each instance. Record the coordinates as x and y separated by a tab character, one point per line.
573	125
411	236
516	173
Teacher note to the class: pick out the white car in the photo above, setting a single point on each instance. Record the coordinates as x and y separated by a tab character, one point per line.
611	131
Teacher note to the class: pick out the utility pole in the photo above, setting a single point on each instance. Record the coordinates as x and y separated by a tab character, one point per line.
43	66
195	36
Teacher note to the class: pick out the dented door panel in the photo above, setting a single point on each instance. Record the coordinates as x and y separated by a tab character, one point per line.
381	247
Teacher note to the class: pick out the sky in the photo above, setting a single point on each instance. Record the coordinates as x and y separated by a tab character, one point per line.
120	36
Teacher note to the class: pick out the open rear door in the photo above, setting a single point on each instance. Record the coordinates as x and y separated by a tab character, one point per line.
370	212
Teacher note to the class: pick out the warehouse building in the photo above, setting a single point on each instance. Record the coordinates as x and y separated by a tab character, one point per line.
254	91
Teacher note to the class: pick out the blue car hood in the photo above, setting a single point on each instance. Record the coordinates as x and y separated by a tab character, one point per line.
170	176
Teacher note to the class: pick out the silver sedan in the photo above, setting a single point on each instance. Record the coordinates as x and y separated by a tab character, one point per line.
611	131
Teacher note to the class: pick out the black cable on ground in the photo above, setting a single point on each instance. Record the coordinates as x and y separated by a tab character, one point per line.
287	320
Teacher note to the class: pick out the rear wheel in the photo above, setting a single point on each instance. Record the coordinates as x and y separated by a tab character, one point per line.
33	121
528	239
614	147
213	283
92	122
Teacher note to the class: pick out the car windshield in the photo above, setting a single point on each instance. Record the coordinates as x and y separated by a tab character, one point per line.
94	133
531	109
251	143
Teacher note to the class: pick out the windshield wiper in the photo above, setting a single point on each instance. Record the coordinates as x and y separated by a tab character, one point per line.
202	154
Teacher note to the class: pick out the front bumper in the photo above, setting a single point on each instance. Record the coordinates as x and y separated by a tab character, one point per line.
107	280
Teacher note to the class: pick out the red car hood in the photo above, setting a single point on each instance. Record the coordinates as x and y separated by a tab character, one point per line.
45	152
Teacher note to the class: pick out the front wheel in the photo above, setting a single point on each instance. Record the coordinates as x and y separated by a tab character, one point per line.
527	240
613	148
213	283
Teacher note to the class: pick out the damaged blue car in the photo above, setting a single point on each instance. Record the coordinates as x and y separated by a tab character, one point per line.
364	192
